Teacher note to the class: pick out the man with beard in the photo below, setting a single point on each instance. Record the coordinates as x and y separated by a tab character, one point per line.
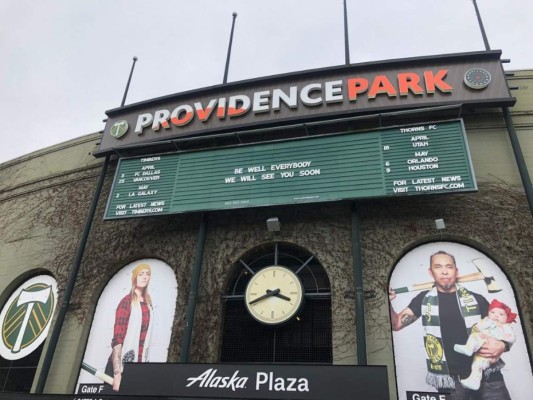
449	311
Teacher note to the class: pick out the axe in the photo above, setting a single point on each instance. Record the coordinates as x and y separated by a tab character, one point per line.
481	275
98	373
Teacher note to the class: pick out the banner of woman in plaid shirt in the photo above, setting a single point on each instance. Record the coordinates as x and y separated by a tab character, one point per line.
132	323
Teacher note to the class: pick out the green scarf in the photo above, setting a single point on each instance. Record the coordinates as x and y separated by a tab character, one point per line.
438	374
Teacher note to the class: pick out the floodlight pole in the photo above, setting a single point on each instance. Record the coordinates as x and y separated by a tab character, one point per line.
225	80
129	81
346	42
481	27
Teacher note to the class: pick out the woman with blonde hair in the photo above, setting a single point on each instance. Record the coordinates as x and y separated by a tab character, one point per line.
133	325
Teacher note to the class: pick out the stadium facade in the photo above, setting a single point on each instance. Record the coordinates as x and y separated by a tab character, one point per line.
349	177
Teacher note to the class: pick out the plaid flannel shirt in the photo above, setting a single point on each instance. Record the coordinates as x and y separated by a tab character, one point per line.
122	318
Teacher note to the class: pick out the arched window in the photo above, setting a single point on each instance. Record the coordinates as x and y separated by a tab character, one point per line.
304	339
25	320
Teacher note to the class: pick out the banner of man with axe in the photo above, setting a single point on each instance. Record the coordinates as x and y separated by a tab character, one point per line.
448	310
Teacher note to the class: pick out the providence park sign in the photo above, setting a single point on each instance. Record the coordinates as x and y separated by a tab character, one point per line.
317	94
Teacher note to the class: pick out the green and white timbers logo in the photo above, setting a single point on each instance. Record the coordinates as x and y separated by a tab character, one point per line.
119	129
26	317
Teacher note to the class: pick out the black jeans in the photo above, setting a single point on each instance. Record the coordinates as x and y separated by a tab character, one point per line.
495	390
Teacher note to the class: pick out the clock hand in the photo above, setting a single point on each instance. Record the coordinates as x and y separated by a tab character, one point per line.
280	295
269	293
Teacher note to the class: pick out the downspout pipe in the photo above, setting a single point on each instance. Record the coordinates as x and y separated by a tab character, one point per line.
193	292
519	157
67	295
360	329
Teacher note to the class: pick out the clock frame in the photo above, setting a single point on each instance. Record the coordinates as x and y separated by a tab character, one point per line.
477	78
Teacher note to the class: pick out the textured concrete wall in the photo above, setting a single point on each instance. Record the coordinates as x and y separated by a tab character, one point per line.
43	202
44	198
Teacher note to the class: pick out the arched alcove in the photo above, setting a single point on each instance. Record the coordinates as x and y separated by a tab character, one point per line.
25	320
429	311
119	312
306	338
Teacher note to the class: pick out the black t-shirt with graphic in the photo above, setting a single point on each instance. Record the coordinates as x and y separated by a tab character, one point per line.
453	329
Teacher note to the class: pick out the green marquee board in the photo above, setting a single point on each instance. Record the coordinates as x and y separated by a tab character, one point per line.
400	161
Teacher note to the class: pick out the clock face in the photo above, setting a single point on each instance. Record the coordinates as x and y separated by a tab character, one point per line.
477	78
274	295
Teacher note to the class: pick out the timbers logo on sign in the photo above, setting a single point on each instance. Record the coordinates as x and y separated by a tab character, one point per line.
25	318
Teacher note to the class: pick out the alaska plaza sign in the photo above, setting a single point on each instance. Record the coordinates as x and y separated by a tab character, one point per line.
249	381
469	78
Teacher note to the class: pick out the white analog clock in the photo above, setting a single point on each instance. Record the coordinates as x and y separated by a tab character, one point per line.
274	295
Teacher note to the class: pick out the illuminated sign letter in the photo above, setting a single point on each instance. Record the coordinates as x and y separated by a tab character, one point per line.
221	109
333	91
261	101
182	115
306	99
437	81
290	100
409	81
204	113
143	121
381	85
161	119
238	105
356	86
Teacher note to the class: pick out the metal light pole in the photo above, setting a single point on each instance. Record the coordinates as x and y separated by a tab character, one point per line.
225	80
480	22
346	42
128	84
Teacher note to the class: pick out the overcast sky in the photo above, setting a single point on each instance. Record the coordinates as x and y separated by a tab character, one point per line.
65	62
